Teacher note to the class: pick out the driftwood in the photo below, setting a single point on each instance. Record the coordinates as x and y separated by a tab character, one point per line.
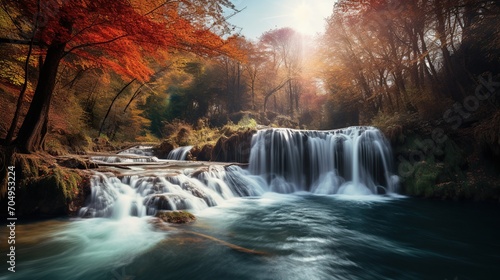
230	245
164	226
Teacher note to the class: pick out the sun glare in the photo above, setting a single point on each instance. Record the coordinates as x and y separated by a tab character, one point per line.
302	18
308	17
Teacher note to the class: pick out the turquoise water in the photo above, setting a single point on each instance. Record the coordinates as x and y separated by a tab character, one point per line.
303	237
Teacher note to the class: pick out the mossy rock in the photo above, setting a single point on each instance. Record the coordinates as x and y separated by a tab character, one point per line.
176	217
46	189
48	194
77	163
235	148
183	137
423	181
203	153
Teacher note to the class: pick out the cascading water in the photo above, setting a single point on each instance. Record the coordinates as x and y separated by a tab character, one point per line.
267	236
179	153
123	159
138	150
196	189
354	160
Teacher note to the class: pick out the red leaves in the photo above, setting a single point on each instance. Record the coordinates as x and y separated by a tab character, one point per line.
122	34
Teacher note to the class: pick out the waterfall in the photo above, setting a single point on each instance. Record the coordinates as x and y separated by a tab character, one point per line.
123	159
138	150
179	153
141	195
351	161
355	160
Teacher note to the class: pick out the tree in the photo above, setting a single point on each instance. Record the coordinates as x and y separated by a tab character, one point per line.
285	48
408	56
121	35
254	62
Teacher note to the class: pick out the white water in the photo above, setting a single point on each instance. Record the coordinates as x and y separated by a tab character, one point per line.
179	153
320	236
138	150
141	195
123	159
353	162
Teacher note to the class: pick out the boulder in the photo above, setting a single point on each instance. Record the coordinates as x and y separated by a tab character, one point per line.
166	201
45	189
77	163
205	153
164	149
235	148
176	217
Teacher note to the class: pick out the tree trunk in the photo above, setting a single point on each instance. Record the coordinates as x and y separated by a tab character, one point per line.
111	105
290	95
20	99
34	128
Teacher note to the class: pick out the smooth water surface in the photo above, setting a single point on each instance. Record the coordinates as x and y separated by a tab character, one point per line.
303	237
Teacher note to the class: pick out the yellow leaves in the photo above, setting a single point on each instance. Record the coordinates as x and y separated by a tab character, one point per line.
11	71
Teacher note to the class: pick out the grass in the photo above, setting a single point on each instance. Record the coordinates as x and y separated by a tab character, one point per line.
184	134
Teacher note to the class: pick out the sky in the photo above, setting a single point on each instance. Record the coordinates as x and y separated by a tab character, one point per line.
259	16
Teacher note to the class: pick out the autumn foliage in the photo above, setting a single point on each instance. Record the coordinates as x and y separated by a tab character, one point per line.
120	35
129	65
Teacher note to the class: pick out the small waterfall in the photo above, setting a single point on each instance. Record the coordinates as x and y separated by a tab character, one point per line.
141	195
123	159
138	150
354	161
179	153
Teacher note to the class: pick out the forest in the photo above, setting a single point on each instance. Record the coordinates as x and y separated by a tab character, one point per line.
124	70
141	71
164	139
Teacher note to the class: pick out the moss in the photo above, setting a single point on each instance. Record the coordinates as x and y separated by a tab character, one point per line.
487	133
176	217
235	148
424	179
54	147
439	170
77	163
49	194
454	159
44	188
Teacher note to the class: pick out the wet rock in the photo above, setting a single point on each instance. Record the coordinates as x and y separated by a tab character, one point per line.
235	148
45	189
164	149
205	153
166	201
77	163
176	217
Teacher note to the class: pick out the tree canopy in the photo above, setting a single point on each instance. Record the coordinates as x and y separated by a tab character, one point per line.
142	64
123	36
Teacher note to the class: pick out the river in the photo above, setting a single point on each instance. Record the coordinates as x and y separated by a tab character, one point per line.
304	236
310	205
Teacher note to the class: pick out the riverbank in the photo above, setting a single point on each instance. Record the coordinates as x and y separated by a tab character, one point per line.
435	161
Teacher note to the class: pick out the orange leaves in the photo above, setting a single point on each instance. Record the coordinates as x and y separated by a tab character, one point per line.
124	34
